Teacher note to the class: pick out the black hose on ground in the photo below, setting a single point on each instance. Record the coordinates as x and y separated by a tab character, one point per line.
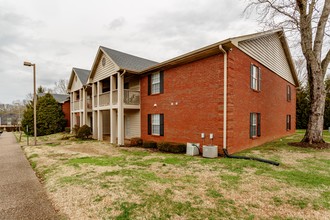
250	158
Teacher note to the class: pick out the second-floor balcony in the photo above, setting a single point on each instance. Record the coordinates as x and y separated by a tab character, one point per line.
131	97
104	99
76	105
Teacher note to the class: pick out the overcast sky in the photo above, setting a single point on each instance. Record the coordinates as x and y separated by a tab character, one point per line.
58	35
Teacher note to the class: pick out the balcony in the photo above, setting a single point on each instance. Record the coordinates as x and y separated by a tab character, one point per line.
130	97
105	99
76	105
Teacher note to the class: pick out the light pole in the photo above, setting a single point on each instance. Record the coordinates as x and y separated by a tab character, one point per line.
34	100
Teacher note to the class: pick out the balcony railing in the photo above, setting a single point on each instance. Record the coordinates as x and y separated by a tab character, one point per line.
114	97
105	99
131	97
76	105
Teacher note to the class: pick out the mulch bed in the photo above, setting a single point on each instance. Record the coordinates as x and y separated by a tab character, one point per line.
307	145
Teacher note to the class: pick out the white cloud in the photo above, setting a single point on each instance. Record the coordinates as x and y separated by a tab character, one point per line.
59	35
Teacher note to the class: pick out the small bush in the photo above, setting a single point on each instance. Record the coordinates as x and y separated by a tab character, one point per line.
84	132
171	147
136	142
75	129
149	144
67	129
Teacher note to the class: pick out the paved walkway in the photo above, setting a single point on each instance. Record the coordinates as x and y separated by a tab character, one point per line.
21	194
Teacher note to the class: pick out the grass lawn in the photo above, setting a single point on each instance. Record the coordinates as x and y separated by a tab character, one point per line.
94	180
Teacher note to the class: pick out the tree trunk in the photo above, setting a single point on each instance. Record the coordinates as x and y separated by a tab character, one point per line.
314	130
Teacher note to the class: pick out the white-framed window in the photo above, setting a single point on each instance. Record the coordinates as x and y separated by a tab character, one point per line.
155	124
255	122
255	78
288	93
254	125
155	83
288	122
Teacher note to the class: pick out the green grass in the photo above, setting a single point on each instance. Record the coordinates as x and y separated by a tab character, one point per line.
97	161
173	186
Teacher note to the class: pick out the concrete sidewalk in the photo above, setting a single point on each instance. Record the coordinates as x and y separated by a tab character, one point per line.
21	194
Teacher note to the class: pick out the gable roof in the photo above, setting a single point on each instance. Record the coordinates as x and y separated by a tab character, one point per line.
122	61
81	74
60	98
213	49
128	62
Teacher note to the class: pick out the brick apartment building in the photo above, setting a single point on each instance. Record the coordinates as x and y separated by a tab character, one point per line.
241	90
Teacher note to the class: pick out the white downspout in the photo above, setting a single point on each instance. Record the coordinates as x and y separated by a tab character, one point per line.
224	96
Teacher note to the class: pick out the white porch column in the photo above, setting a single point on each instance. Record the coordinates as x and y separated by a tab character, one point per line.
98	93
95	134
120	120
71	110
112	116
93	94
113	128
84	106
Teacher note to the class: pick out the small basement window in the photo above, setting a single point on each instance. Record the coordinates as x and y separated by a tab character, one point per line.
255	125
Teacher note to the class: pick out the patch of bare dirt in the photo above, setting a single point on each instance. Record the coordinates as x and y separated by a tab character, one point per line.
314	146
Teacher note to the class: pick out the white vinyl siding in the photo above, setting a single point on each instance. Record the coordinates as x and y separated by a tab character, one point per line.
103	72
155	83
106	121
132	123
155	124
76	84
269	51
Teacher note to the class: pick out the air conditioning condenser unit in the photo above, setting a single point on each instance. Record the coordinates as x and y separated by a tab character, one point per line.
192	149
210	151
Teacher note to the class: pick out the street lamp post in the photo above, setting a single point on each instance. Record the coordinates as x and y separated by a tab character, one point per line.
34	100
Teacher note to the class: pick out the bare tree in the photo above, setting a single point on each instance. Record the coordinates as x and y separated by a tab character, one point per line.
61	86
310	19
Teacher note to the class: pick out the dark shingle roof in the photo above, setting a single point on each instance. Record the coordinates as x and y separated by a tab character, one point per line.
82	75
127	61
60	98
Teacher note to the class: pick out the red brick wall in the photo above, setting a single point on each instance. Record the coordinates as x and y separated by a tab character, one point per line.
271	102
66	111
197	88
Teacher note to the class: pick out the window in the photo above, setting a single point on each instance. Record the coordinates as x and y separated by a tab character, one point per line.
288	93
255	77
155	83
255	125
288	122
156	124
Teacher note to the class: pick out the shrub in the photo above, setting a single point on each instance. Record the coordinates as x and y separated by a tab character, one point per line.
136	142
50	117
75	129
67	129
171	147
84	132
149	144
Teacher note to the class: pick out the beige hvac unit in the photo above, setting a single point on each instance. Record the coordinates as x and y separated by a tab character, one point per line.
192	149
210	151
